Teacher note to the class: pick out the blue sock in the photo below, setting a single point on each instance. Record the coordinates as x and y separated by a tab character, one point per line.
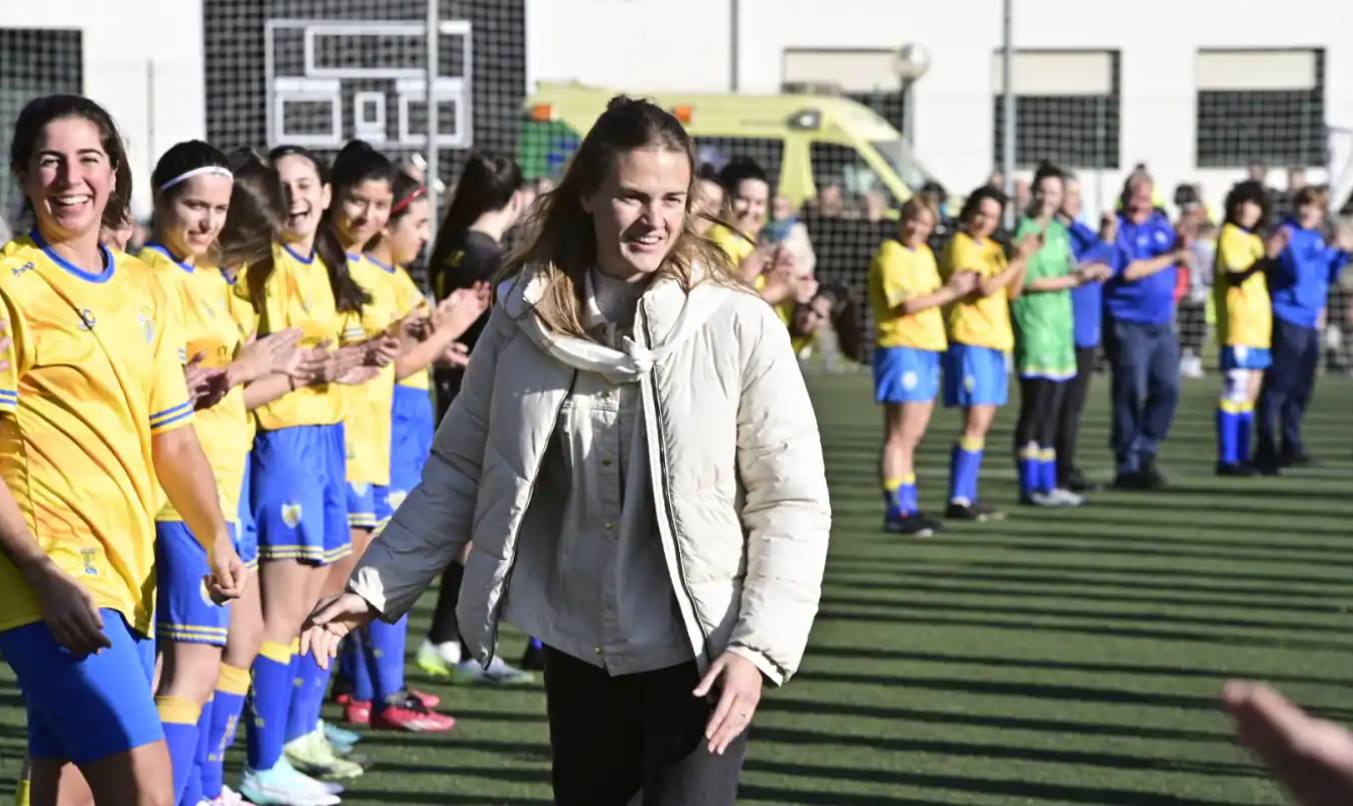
232	686
307	696
356	651
1227	448
1244	428
385	656
965	464
1047	469
179	717
192	791
1030	470
267	724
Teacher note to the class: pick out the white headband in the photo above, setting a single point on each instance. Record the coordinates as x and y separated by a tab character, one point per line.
205	169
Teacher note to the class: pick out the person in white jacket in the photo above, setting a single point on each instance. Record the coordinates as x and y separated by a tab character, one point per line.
634	471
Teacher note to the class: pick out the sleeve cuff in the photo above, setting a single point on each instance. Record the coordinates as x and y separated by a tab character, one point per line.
768	669
9	401
171	418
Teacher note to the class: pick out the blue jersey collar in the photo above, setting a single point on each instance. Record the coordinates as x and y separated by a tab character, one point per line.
388	268
164	250
101	277
306	260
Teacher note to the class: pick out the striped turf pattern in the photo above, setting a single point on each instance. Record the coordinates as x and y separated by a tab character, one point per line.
1057	657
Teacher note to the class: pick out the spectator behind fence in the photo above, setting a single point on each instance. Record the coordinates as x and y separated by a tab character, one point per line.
1142	347
747	191
1087	302
1299	283
707	199
1190	292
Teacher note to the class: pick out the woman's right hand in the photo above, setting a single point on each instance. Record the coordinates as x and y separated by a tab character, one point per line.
332	619
69	610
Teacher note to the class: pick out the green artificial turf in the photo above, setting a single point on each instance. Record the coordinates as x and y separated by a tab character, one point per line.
1056	657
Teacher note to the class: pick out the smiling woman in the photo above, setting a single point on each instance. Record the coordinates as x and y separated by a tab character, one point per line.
77	555
634	470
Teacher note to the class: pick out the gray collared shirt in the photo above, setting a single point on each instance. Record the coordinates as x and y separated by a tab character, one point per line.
601	592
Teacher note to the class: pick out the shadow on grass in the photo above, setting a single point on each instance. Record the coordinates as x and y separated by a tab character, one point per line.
1132	617
1080	758
927	584
991	662
931	620
1006	788
991	721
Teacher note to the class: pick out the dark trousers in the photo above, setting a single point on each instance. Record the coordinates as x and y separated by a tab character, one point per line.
613	737
1287	388
1145	389
1073	406
1040	402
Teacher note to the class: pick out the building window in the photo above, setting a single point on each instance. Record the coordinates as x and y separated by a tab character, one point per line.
1066	108
1261	106
34	62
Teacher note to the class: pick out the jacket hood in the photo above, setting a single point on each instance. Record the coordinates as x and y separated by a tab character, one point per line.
669	316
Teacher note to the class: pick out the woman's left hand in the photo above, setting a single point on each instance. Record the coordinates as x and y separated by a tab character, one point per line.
739	682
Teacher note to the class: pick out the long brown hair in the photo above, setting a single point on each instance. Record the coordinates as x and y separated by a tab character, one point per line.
254	221
561	240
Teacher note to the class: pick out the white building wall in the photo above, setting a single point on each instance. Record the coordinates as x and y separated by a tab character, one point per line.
142	62
640	45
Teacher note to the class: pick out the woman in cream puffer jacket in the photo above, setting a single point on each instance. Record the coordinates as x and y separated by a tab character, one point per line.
730	454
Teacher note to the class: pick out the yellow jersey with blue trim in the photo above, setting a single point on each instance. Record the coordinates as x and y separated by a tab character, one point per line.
298	294
1244	311
367	430
975	320
410	298
210	331
95	372
898	274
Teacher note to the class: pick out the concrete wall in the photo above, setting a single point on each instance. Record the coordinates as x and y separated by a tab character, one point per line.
142	61
642	45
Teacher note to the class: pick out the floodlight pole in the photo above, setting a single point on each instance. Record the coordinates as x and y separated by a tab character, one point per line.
433	166
733	34
1008	105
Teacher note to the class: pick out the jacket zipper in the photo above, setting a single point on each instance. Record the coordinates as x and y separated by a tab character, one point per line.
530	493
667	501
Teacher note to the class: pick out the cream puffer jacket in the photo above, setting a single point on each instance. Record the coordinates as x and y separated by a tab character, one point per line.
736	461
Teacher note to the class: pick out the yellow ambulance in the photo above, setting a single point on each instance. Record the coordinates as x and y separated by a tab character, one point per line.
808	141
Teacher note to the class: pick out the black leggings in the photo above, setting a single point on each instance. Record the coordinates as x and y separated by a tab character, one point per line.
613	737
1039	412
1073	406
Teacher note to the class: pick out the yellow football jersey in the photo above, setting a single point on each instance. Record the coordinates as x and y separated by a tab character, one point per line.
1244	311
733	243
984	321
896	275
367	429
409	298
246	322
298	294
209	329
94	372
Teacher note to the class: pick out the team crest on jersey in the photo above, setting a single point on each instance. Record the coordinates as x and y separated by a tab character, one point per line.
87	557
147	325
20	271
86	320
291	515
